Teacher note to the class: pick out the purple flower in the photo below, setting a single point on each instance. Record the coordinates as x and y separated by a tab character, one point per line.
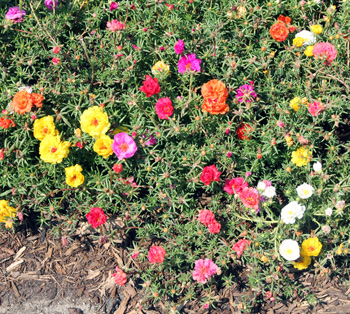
246	93
114	6
124	146
179	47
15	14
189	63
49	4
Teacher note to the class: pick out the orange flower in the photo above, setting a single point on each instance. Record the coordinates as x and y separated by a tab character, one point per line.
215	94
279	31
22	102
37	99
285	19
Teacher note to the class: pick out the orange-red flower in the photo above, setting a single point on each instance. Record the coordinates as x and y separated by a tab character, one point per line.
279	31
215	95
22	102
284	19
37	99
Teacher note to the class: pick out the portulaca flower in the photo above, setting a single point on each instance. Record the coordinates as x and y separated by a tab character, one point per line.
291	211
269	192
328	211
305	191
261	187
309	37
289	249
317	166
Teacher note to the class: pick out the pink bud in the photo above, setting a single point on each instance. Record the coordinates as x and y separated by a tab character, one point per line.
56	50
13	191
103	239
248	174
4	111
135	255
229	154
20	216
162	48
56	61
268	294
145	29
134	134
94	15
227	131
64	241
280	124
33	117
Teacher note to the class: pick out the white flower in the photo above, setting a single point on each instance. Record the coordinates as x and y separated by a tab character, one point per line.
27	88
269	192
328	211
317	1
340	205
291	211
317	167
305	191
261	186
289	249
309	37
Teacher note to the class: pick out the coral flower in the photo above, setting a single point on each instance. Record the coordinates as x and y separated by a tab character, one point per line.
210	174
115	25
243	131
53	150
215	95
325	51
6	123
37	99
206	217
164	108
96	217
94	121
21	102
120	277
279	31
240	246
156	254
74	177
189	63
124	146
150	86
235	185
316	108
250	198
203	270
44	127
103	146
214	227
15	14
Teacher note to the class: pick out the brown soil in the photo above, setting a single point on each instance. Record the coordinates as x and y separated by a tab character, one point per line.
39	275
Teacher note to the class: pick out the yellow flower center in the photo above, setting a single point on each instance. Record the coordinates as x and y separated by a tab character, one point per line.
289	251
94	122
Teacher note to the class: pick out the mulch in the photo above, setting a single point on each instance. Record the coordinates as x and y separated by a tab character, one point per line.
40	266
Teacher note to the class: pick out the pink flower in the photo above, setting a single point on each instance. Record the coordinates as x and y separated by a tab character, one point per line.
246	93
124	146
210	174
20	216
120	277
113	6
250	198
267	183
206	217
96	217
189	63
179	47
156	254
206	305
280	124
170	6
325	51
248	174
15	14
56	61
117	168
64	241
227	131
268	294
56	50
135	255
164	108
115	25
241	246
235	185
118	56
316	108
203	269
50	4
214	227
229	154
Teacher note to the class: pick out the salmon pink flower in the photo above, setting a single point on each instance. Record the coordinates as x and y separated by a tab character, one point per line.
240	246
117	168
189	63
179	47
156	254
96	217
316	108
115	25
203	270
210	174
214	227
164	108
120	277
235	185
206	217
124	146
250	198
150	86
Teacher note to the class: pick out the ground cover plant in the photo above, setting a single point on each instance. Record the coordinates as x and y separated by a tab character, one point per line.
217	130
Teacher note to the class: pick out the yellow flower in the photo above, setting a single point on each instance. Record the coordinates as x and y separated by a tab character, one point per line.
340	249
94	121
295	103
311	246
303	262
74	177
298	41
289	140
317	29
304	101
6	211
301	157
309	51
161	70
77	133
53	150
264	259
43	127
103	146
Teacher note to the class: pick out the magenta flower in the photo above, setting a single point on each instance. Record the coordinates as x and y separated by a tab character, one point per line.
179	47
15	14
124	146
203	269
115	25
114	6
49	4
246	93
189	63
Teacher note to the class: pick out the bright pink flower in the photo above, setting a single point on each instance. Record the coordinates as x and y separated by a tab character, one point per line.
117	168
33	117
79	144
56	61
325	51
15	14
170	6
203	270
241	246
179	47
250	198
210	174
206	305
150	87
120	277
115	25
156	254
135	255
214	227
206	217
56	50
189	63
246	93
235	185
268	294
113	6
316	108
229	154
164	108
124	146
96	217
280	124
134	134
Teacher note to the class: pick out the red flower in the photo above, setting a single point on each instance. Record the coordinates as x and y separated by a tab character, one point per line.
164	108
1	153
156	254
214	227
279	31
96	217
120	277
235	185
150	86
250	198
118	168
209	174
6	123
206	217
243	131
